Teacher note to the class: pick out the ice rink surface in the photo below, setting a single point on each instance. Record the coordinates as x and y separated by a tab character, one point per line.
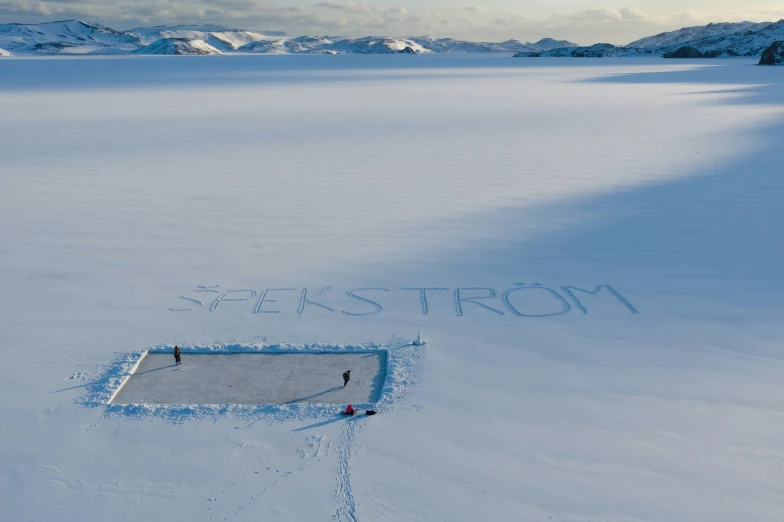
255	379
257	200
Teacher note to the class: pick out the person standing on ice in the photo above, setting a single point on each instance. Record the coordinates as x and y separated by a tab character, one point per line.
177	355
346	377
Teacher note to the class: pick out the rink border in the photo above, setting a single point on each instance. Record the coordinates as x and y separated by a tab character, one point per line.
128	377
401	371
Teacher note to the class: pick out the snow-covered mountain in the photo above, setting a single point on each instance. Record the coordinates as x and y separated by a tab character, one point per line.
376	45
178	46
3	52
711	41
379	45
335	45
742	43
70	36
690	34
450	45
546	44
600	50
76	37
222	38
266	47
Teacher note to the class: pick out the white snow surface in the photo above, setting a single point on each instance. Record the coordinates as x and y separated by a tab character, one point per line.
3	52
298	200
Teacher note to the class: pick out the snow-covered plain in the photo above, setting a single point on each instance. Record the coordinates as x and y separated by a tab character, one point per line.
150	201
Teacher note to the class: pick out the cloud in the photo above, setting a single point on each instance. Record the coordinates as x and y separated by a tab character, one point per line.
475	9
751	13
349	7
586	17
28	8
634	14
600	16
512	18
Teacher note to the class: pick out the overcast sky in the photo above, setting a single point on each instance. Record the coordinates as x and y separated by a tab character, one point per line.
582	21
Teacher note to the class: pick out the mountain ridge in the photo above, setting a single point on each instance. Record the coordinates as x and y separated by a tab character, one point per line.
747	39
725	39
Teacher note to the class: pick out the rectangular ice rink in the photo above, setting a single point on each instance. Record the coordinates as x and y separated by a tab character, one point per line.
256	378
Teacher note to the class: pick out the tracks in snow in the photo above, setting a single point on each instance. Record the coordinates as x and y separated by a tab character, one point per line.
317	449
346	511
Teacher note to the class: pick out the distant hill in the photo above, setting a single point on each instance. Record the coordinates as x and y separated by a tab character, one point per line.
178	46
546	44
78	37
690	34
710	41
220	37
34	38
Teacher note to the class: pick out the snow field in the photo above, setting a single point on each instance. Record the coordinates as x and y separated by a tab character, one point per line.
127	182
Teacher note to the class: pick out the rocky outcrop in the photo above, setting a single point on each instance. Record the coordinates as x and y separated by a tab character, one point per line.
685	52
600	50
773	55
692	52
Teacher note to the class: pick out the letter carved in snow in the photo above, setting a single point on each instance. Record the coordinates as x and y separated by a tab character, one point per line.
595	291
565	306
377	306
460	299
224	297
199	288
423	297
263	299
305	301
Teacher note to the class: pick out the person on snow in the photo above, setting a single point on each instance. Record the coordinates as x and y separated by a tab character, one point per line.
346	377
177	355
349	410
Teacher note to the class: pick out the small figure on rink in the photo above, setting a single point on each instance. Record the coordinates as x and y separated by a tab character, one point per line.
177	355
346	377
350	411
